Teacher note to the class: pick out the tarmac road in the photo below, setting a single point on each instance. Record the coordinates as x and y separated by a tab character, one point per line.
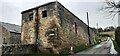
102	49
0	50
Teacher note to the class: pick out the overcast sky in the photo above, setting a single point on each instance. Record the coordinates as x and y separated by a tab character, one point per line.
10	10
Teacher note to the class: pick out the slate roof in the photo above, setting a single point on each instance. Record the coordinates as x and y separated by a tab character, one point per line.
37	7
11	27
49	4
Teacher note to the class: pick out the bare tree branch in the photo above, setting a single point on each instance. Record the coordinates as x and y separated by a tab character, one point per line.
111	8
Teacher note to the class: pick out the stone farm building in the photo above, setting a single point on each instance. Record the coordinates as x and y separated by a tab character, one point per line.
10	33
54	28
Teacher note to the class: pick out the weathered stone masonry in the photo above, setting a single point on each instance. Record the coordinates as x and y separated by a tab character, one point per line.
10	33
53	26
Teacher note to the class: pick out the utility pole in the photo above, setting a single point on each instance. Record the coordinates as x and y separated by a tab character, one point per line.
88	28
97	30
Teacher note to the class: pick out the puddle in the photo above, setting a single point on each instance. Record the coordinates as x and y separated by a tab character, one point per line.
98	46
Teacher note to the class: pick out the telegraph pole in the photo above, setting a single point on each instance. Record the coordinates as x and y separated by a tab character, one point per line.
88	28
97	30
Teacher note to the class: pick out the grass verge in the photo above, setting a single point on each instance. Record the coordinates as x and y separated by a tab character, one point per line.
76	49
117	48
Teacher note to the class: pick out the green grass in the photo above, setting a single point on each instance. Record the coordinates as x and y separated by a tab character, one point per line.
111	33
80	48
117	48
76	49
100	39
66	51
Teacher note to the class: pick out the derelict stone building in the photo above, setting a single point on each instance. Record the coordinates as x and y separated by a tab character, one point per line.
54	28
10	33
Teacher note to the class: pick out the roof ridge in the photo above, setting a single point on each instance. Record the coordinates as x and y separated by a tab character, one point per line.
11	27
38	6
10	23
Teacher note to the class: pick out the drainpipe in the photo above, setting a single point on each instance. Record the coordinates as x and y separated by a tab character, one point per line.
36	30
88	28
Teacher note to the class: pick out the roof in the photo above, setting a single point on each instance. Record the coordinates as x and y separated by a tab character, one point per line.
11	27
37	7
49	4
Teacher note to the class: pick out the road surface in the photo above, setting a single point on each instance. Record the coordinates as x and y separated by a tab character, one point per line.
102	49
0	50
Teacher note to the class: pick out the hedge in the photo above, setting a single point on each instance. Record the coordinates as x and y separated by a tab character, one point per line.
117	35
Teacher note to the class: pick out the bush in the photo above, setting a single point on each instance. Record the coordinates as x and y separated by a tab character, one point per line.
116	46
80	48
117	35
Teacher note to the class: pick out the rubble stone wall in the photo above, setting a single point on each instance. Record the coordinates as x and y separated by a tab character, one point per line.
15	38
28	34
18	49
56	31
67	36
4	36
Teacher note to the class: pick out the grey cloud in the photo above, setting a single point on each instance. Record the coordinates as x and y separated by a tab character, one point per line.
11	11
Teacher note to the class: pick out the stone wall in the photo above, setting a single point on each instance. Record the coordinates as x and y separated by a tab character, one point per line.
46	26
5	36
55	31
18	49
1	39
8	37
28	34
66	35
15	38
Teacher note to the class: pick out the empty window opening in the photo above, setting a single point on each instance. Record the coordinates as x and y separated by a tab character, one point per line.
44	13
31	17
75	27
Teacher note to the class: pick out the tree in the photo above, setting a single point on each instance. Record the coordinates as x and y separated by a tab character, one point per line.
100	30
117	35
112	8
94	29
110	28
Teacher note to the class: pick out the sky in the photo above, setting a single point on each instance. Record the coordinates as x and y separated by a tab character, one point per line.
10	10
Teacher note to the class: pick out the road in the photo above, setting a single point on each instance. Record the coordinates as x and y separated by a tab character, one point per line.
102	49
0	50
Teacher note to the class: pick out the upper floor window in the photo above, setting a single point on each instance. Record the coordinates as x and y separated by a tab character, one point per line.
75	27
44	13
31	17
